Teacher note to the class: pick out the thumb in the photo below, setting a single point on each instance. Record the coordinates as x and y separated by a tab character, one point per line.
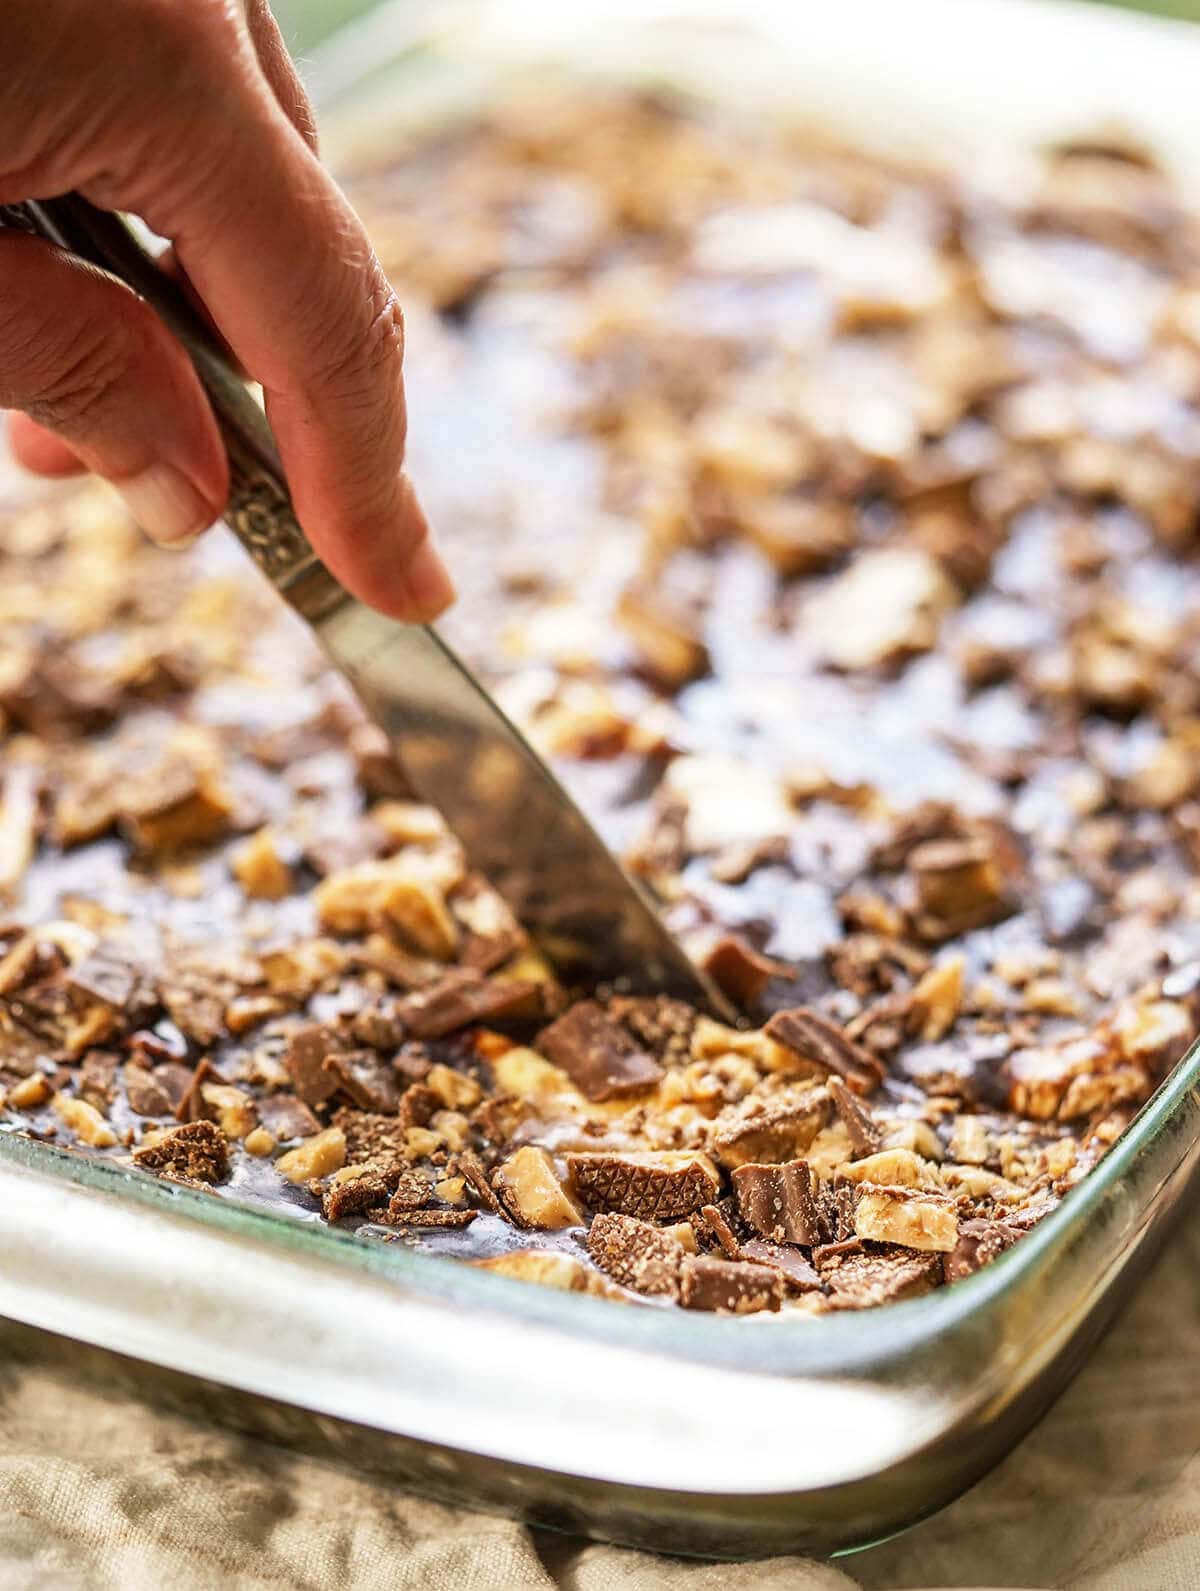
92	364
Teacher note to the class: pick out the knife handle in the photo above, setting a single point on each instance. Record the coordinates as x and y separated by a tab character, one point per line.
259	511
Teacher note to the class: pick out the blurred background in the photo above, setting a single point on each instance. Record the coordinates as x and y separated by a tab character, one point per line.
307	22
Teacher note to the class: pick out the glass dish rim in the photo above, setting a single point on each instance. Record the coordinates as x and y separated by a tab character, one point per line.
810	1344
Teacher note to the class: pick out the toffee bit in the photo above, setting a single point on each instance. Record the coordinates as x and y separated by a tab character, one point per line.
815	1038
959	886
770	1130
908	1217
528	1186
597	1055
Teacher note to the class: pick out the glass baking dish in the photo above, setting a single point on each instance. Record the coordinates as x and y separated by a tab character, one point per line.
677	1432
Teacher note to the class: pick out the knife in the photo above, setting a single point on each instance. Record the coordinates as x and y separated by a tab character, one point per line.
459	751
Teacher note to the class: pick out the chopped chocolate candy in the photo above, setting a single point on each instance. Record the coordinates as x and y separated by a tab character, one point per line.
461	998
98	1078
175	1080
771	1129
959	885
309	1047
198	1150
714	1222
378	1025
354	1195
597	1055
173	806
636	1254
366	1080
728	1286
418	1106
429	1218
864	1131
660	1024
285	1117
472	1169
378	1139
815	1038
107	977
192	1106
978	1242
798	1274
861	1278
656	1187
411	1189
836	1202
146	1095
778	1202
740	972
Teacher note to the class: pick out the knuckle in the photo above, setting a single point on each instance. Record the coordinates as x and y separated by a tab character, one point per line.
74	391
371	347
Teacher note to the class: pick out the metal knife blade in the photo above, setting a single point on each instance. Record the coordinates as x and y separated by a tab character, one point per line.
516	823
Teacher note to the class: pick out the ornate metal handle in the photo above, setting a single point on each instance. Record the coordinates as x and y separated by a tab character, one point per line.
259	511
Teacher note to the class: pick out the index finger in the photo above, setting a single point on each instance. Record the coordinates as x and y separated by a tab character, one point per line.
288	275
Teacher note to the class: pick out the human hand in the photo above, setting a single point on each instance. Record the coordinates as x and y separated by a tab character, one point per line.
190	114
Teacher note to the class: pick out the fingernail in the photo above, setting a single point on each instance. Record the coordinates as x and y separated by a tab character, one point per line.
428	583
165	504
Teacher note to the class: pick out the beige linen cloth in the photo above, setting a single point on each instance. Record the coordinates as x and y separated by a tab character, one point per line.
101	1494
